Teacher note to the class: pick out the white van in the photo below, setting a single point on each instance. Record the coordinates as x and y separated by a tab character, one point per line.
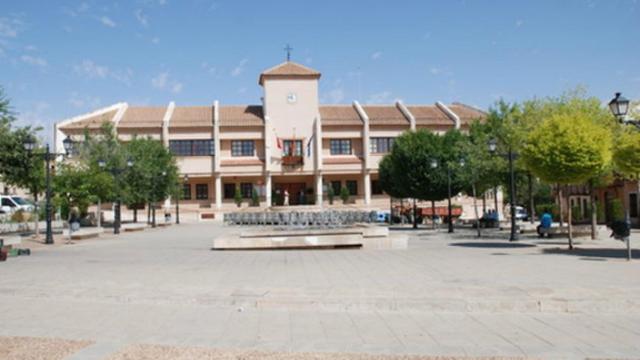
11	204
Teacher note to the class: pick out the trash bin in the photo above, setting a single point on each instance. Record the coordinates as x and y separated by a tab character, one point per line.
167	218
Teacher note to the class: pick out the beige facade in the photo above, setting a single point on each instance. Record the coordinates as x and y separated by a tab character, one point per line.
289	142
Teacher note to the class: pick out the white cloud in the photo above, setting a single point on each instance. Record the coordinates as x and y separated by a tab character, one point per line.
435	71
106	21
239	69
160	80
336	95
91	70
86	101
242	90
210	69
30	48
142	18
33	60
376	55
380	98
10	27
163	81
155	40
176	88
519	22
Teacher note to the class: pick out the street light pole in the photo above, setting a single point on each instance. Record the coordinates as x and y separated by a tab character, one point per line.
49	232
513	236
29	145
450	215
510	155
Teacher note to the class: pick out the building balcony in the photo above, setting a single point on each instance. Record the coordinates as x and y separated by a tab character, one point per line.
292	160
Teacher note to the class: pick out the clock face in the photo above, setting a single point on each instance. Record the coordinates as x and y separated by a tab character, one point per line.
291	98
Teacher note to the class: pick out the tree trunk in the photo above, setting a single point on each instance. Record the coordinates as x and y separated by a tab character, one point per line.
402	211
390	210
415	214
99	213
475	209
495	201
135	214
594	212
532	208
36	215
484	202
148	213
570	221
433	214
560	206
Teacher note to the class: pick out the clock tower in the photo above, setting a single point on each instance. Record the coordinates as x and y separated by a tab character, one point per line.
290	107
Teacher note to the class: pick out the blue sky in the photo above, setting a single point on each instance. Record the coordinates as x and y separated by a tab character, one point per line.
63	58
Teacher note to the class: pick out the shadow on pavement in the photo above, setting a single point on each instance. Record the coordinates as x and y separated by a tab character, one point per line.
493	245
594	253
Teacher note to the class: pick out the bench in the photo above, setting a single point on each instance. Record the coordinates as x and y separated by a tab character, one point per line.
84	233
134	227
564	231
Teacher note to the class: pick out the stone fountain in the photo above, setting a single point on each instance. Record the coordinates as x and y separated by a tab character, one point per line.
308	228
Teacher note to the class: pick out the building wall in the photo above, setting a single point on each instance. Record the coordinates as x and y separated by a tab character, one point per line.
291	120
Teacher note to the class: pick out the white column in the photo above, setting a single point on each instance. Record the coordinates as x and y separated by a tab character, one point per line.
218	190
318	189
367	188
267	188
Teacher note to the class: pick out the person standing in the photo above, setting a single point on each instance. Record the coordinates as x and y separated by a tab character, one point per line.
286	198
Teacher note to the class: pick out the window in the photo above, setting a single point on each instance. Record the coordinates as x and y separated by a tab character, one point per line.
352	186
202	191
242	148
633	205
191	147
7	202
289	145
376	189
246	189
336	185
340	146
186	191
380	145
229	191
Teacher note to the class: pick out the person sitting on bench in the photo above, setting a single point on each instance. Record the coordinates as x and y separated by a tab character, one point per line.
545	224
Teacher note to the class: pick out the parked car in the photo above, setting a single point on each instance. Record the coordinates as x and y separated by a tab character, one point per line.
11	204
521	213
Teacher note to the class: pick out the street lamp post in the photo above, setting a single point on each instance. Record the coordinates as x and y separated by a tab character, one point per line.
116	172
185	181
29	145
619	107
511	156
153	201
434	164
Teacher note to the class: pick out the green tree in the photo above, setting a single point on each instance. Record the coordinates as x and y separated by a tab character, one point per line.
344	195
406	172
237	196
568	148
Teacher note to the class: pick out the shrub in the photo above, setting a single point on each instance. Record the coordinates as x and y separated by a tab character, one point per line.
344	195
255	199
617	210
330	194
237	196
20	216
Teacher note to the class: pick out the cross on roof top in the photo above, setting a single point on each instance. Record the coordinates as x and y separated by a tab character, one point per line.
288	50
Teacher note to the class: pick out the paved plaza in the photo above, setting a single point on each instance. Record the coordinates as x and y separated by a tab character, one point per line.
162	290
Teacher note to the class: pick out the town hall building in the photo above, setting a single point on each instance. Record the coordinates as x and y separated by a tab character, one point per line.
289	141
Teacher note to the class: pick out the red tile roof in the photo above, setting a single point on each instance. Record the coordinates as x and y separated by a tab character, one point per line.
385	115
288	68
339	115
241	115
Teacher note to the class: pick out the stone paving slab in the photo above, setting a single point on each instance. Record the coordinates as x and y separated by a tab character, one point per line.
166	287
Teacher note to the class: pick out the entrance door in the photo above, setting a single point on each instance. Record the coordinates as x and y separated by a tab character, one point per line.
294	190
